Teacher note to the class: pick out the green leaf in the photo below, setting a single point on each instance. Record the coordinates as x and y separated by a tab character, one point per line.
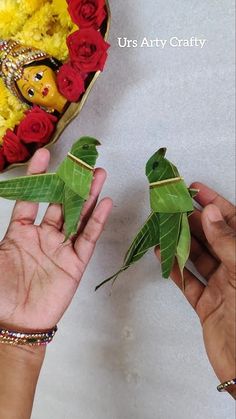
169	235
183	247
171	198
169	194
69	186
171	202
37	188
85	149
76	170
193	192
73	205
76	177
158	168
147	237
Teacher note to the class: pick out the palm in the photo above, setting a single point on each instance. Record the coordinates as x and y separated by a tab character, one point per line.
37	296
42	272
214	303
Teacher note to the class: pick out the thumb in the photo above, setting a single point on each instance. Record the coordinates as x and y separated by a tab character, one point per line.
220	236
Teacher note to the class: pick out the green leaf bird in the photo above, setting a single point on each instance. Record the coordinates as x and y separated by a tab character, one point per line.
69	186
167	226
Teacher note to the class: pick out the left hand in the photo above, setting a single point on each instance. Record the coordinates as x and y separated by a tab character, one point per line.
39	273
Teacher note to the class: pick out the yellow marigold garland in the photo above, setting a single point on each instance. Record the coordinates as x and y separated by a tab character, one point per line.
47	24
47	30
11	110
8	25
30	6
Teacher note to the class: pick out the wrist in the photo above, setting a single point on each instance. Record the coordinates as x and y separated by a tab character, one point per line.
232	391
20	368
224	378
23	355
26	338
228	386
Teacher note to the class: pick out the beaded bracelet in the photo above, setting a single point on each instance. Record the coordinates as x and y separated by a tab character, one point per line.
223	386
10	337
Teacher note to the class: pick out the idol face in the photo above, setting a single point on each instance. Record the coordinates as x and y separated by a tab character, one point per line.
38	86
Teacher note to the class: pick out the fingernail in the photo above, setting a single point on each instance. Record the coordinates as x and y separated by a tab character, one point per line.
213	214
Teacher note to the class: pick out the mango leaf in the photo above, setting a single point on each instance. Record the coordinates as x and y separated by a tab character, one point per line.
77	177
69	186
169	235
171	203
77	169
183	247
72	208
37	188
158	168
86	150
193	192
171	197
147	237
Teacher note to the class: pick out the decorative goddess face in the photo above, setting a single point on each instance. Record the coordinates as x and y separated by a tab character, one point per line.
38	86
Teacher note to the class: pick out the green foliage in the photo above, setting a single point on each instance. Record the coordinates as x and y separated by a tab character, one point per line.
167	226
147	237
169	235
69	186
183	247
36	188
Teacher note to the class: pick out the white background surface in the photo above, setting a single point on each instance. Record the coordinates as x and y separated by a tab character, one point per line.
138	354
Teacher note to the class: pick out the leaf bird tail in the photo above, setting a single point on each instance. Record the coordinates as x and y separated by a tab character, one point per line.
147	237
170	225
113	277
183	247
73	205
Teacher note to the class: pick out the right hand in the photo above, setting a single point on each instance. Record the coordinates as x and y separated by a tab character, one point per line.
213	253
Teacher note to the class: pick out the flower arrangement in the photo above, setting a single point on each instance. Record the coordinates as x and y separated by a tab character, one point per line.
67	49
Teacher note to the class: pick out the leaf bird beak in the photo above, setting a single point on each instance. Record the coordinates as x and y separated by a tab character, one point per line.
162	152
97	143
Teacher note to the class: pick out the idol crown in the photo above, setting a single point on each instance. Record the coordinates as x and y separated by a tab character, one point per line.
13	57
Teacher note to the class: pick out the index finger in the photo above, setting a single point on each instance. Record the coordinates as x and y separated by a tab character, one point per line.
26	212
208	196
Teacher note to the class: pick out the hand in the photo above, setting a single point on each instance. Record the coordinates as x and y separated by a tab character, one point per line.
213	253
39	273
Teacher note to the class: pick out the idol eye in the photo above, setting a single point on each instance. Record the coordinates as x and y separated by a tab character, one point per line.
155	165
85	146
38	76
31	92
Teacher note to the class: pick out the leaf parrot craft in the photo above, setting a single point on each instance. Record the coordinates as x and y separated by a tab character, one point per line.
69	186
167	226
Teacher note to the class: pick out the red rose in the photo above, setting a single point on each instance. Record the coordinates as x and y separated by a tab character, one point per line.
87	13
2	159
37	126
88	50
70	83
14	150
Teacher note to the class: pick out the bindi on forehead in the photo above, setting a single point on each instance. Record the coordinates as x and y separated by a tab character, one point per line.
31	71
26	75
25	78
